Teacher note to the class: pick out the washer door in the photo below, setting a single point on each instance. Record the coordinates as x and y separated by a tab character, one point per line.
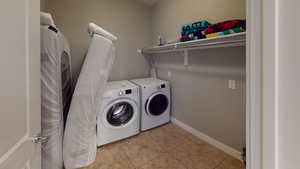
120	113
157	104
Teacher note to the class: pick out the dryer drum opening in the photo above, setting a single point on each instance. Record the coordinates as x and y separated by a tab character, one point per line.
157	105
120	114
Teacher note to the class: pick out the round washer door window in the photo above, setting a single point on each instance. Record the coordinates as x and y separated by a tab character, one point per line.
120	114
157	104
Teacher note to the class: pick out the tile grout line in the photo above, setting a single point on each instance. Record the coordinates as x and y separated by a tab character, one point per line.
165	151
155	141
219	164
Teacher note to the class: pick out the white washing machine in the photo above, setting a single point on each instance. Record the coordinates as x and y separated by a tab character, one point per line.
155	102
119	117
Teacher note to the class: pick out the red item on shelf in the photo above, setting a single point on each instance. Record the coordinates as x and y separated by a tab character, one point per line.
226	25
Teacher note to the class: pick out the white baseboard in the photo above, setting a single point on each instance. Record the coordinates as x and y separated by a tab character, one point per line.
227	149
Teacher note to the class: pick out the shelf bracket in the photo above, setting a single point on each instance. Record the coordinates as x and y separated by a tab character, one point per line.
186	57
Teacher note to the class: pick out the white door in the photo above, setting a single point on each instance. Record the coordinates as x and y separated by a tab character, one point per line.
19	84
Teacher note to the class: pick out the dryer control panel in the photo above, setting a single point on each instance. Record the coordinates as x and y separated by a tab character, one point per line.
162	86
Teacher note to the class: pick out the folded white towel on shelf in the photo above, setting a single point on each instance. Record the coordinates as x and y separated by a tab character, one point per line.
95	29
46	19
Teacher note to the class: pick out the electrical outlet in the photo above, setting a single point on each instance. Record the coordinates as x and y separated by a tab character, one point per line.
232	84
229	84
169	74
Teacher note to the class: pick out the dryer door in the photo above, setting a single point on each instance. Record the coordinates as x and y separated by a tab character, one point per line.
157	104
120	113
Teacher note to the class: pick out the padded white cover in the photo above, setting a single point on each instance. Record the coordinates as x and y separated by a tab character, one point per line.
53	47
80	133
46	19
95	29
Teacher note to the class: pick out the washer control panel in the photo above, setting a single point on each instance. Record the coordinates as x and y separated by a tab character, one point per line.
125	92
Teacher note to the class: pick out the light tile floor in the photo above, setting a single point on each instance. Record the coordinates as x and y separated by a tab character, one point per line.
166	147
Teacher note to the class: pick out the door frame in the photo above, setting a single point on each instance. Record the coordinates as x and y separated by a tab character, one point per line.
254	84
254	115
24	152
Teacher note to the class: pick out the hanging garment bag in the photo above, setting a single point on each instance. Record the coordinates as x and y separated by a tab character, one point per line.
55	52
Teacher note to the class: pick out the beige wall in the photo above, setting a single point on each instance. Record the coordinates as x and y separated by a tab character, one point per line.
43	5
201	97
288	82
127	19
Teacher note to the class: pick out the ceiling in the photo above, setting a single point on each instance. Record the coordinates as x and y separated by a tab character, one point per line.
149	2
